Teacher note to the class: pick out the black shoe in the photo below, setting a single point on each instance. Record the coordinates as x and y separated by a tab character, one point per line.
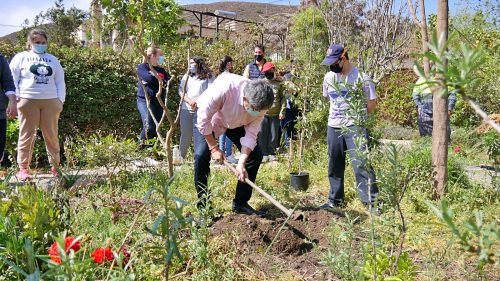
246	209
329	205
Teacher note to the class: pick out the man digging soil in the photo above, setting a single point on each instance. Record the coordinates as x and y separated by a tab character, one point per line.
235	106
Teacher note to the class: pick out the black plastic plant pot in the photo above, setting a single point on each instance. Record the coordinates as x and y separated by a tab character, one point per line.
299	181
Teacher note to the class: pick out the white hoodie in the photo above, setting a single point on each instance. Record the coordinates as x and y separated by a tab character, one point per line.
38	76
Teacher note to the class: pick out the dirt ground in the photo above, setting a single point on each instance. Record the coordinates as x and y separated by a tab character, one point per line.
271	245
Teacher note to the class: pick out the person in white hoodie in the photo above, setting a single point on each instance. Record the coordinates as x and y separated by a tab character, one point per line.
41	90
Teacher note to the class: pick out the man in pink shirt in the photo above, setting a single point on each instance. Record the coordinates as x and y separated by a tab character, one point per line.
235	106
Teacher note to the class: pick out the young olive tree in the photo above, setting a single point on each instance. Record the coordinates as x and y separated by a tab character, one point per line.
142	23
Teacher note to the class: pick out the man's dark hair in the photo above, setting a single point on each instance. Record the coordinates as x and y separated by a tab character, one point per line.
260	46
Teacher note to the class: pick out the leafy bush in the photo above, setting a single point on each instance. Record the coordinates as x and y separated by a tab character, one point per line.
395	103
419	161
492	145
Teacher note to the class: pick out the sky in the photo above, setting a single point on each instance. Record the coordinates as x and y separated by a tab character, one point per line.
13	13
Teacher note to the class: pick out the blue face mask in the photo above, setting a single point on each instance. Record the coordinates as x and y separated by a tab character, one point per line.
253	112
39	48
161	59
192	68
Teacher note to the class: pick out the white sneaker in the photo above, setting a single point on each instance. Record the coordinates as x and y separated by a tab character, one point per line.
265	159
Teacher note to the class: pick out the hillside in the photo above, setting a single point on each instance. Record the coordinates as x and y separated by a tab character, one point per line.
247	11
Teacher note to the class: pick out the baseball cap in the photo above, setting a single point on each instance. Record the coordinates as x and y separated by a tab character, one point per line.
267	66
333	54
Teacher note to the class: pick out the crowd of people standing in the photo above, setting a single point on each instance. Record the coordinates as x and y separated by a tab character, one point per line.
245	111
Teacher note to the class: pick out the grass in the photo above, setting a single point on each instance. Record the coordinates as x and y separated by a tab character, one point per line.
105	218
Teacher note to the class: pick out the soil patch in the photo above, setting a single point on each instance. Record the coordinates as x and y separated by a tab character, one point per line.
272	244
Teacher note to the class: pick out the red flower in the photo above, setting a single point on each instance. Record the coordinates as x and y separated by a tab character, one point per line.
457	150
126	256
102	254
70	244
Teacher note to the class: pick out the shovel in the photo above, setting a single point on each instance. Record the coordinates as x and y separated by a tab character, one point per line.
288	212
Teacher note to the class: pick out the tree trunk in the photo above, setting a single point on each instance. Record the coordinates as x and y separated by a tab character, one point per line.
440	114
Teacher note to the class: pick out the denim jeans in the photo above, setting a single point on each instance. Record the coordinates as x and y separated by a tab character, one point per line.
202	166
338	145
148	125
225	144
288	124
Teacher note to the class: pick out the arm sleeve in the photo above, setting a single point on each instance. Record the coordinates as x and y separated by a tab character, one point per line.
417	92
59	81
145	74
251	131
181	85
369	88
7	82
281	96
208	104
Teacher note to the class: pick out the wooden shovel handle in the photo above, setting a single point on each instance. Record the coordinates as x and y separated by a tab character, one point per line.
262	192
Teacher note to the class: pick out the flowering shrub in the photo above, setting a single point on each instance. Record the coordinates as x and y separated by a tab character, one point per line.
101	255
70	244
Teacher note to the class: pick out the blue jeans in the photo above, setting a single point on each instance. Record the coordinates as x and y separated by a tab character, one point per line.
338	145
202	166
288	124
148	125
225	144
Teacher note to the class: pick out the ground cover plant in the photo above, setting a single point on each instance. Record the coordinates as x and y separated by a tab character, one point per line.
116	215
325	245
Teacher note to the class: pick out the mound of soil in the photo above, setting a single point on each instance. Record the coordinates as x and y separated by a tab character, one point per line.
274	243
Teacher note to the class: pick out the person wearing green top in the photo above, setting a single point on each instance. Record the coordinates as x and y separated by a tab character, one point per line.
269	130
422	96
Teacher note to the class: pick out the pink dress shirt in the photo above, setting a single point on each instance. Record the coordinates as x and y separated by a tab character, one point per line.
220	108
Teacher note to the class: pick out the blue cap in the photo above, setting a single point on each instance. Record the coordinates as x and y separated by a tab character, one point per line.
333	54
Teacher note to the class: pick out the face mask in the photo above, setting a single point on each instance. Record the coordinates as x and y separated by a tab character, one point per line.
192	68
39	48
269	75
161	59
336	68
259	57
253	112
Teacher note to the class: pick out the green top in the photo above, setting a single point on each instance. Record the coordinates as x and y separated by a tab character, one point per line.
279	105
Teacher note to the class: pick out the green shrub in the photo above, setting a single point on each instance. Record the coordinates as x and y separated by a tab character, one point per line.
395	103
419	161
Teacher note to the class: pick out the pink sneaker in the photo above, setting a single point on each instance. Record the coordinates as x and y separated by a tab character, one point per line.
54	172
23	174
